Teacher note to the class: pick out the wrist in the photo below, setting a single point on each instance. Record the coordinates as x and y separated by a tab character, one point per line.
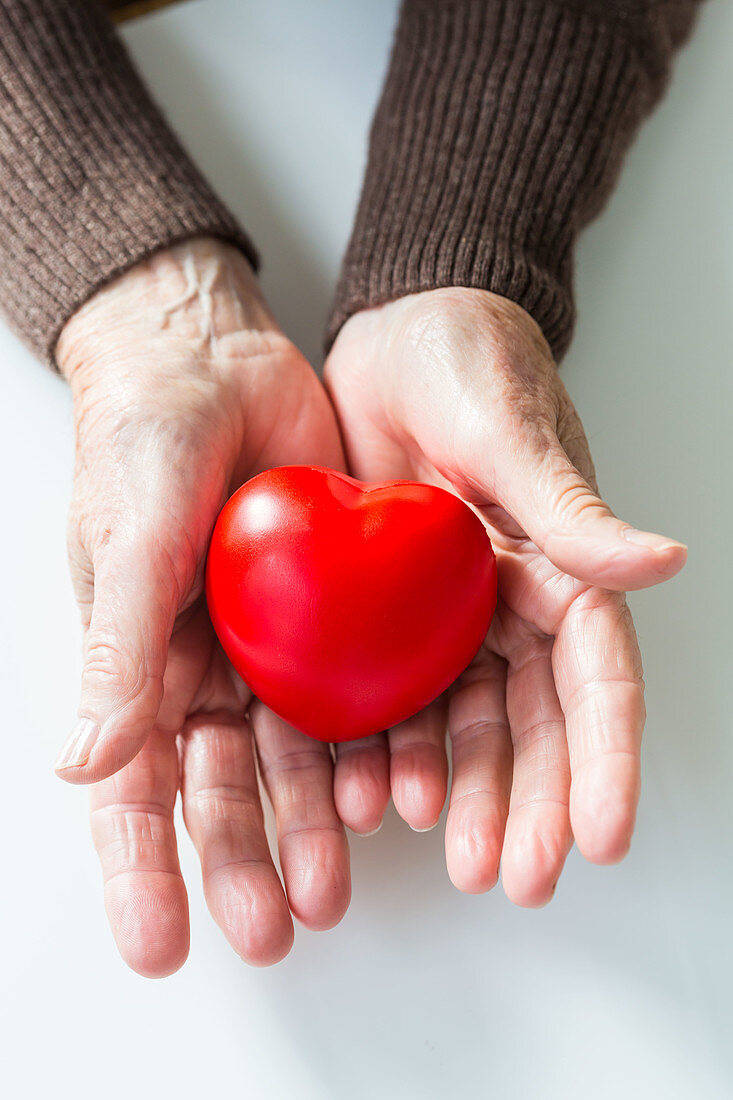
448	317
188	298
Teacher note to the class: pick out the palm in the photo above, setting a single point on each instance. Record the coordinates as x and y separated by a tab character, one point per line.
207	734
511	775
457	388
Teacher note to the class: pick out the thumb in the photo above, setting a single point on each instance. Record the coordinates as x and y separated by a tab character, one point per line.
125	654
564	516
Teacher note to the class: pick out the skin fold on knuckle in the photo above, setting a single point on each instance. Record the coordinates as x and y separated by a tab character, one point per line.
573	505
80	569
110	670
232	809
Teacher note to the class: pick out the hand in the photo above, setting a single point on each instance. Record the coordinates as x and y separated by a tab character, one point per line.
183	387
458	387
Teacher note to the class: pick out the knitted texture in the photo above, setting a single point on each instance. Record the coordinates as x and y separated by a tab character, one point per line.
499	134
121	10
500	131
92	179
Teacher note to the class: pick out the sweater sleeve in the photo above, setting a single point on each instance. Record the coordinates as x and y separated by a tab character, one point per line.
500	132
92	179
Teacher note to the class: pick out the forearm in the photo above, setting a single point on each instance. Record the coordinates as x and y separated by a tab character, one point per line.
92	179
500	132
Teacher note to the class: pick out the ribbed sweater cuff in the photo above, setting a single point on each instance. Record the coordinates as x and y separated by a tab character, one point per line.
92	179
500	131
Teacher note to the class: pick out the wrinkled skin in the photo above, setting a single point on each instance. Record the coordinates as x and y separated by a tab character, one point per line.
183	387
458	387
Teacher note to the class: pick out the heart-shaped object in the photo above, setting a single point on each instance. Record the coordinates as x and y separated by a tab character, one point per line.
345	606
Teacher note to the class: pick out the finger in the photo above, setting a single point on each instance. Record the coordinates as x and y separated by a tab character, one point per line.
314	854
223	815
132	829
535	481
538	835
419	766
599	680
361	782
482	773
135	602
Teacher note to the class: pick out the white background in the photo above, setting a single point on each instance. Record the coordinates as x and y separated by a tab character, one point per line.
621	986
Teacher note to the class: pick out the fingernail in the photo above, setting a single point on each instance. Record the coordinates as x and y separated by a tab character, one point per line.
653	542
373	831
78	748
426	830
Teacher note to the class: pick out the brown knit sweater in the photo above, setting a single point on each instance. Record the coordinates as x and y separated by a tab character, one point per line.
500	131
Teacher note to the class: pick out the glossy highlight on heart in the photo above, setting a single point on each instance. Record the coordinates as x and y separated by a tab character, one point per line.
347	606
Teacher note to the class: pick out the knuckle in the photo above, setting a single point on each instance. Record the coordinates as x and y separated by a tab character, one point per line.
89	525
293	768
224	805
117	528
110	667
575	500
98	534
164	561
76	522
76	548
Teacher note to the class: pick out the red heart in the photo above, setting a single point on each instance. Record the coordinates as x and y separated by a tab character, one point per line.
347	607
